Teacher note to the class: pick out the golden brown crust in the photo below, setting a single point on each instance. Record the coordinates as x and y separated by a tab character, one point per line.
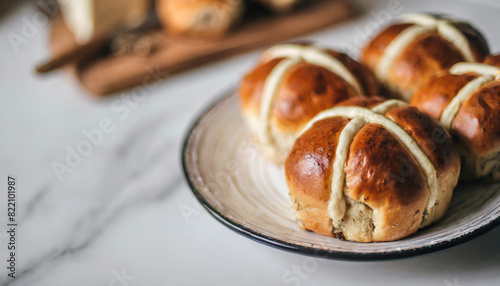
477	123
393	185
476	126
493	60
307	90
432	139
362	102
308	173
434	96
366	77
250	90
371	54
423	58
386	191
437	145
304	90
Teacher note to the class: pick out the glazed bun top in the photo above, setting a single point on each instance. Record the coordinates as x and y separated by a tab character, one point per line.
292	83
466	100
383	154
407	53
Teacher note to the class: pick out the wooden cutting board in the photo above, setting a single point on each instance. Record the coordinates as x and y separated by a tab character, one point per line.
108	74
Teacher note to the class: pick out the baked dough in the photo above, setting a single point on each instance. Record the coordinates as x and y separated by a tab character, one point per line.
290	85
384	174
408	53
466	100
200	18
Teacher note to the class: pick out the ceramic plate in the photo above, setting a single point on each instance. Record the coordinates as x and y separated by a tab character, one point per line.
248	194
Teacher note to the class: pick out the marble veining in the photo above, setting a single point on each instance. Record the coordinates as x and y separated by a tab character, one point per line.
124	215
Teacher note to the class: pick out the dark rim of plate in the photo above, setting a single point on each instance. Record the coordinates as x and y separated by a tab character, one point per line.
309	251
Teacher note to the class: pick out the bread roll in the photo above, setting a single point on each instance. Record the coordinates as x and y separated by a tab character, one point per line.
199	18
371	170
408	53
290	85
466	99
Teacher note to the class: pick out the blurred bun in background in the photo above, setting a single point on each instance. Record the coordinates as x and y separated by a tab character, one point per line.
200	18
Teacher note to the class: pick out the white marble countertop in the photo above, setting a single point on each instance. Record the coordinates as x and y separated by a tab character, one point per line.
116	216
